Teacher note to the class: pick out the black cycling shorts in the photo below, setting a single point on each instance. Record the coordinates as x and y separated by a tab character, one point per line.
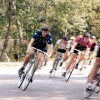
98	52
80	48
61	50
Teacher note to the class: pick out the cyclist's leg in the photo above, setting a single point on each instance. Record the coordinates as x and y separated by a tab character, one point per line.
81	57
54	61
46	60
89	84
64	57
38	59
73	55
92	56
27	57
95	66
94	69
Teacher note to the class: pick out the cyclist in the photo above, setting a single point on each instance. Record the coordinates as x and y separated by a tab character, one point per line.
91	53
40	40
71	41
82	43
89	84
62	46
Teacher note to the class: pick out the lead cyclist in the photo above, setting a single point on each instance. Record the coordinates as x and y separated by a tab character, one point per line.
40	40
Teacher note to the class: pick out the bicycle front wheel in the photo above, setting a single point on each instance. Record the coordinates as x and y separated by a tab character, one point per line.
26	70
21	80
28	77
68	74
54	68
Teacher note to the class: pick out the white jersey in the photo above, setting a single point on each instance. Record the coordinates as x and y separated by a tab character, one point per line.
63	46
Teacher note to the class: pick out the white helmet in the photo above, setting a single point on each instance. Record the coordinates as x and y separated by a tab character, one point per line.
93	37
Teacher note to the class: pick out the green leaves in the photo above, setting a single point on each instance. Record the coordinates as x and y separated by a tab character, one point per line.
61	14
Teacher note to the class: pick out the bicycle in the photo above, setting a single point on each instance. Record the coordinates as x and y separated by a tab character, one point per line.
29	70
55	64
69	71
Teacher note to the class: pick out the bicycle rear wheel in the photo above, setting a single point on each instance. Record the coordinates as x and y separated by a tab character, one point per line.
28	77
54	68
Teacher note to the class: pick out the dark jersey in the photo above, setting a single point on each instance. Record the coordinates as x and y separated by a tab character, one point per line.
93	47
40	42
98	51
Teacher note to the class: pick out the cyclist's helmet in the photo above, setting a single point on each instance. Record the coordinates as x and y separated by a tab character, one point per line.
65	38
93	37
72	38
45	28
87	34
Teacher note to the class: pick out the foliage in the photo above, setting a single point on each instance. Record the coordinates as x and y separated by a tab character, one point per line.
65	17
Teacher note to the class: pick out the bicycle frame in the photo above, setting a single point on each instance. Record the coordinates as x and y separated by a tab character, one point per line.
55	64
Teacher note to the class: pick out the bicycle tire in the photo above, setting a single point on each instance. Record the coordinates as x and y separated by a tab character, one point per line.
24	74
27	79
70	72
21	80
54	67
69	75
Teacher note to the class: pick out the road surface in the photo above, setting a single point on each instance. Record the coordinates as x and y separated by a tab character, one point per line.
43	87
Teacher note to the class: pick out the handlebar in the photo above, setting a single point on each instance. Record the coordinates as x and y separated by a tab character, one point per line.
41	51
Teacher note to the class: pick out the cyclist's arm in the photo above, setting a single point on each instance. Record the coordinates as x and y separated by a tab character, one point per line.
30	44
56	47
49	50
68	48
87	51
73	46
57	44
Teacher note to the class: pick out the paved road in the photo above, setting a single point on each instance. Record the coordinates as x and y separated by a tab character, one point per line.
43	87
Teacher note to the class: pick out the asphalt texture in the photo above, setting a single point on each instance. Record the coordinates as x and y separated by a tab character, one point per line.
43	87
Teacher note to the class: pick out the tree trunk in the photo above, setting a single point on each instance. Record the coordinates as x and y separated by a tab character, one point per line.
45	11
8	30
19	27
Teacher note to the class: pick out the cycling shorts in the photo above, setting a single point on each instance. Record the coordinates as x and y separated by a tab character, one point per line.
61	50
80	48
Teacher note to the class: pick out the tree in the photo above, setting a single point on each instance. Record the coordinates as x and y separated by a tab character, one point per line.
9	28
